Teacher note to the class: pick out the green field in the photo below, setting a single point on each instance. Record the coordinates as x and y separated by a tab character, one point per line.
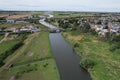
38	48
33	71
41	26
70	14
28	62
107	63
6	45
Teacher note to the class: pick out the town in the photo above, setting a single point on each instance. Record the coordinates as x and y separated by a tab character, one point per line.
55	45
101	23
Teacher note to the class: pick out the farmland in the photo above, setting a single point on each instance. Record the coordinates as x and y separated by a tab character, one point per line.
18	16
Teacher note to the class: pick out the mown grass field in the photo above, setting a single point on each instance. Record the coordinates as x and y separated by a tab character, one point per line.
107	63
36	46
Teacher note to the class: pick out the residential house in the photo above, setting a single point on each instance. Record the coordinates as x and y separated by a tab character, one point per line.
10	20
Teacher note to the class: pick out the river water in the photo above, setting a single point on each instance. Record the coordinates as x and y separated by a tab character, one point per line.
66	59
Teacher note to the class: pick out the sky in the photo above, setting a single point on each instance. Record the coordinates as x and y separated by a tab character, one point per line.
62	5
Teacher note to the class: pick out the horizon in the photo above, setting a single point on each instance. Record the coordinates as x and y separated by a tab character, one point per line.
68	5
1	10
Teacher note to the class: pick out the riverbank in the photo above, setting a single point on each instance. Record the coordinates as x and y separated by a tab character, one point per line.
66	59
107	63
28	62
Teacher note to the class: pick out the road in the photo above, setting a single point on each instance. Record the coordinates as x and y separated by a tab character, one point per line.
4	39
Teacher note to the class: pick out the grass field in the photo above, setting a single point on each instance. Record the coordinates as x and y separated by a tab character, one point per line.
36	47
6	45
33	71
70	14
41	26
107	63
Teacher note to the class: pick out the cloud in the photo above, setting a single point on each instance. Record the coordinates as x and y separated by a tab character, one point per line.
78	5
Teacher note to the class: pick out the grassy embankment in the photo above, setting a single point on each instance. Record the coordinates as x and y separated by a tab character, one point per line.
107	63
1	37
32	61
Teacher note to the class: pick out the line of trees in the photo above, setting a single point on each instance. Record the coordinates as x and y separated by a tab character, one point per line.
4	55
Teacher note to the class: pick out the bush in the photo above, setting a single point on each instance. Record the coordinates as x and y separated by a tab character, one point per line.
76	45
114	47
74	29
87	63
93	32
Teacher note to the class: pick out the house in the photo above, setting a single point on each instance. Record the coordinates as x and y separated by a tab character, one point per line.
102	33
115	26
10	20
29	28
25	29
97	28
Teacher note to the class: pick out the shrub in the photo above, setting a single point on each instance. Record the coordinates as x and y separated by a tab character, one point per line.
74	29
76	45
45	65
114	47
87	63
93	32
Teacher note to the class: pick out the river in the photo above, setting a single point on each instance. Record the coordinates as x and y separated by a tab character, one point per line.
66	59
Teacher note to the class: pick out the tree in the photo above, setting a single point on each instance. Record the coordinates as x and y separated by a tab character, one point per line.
87	63
99	22
85	27
106	27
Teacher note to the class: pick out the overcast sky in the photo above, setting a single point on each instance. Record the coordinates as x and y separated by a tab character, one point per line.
62	5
